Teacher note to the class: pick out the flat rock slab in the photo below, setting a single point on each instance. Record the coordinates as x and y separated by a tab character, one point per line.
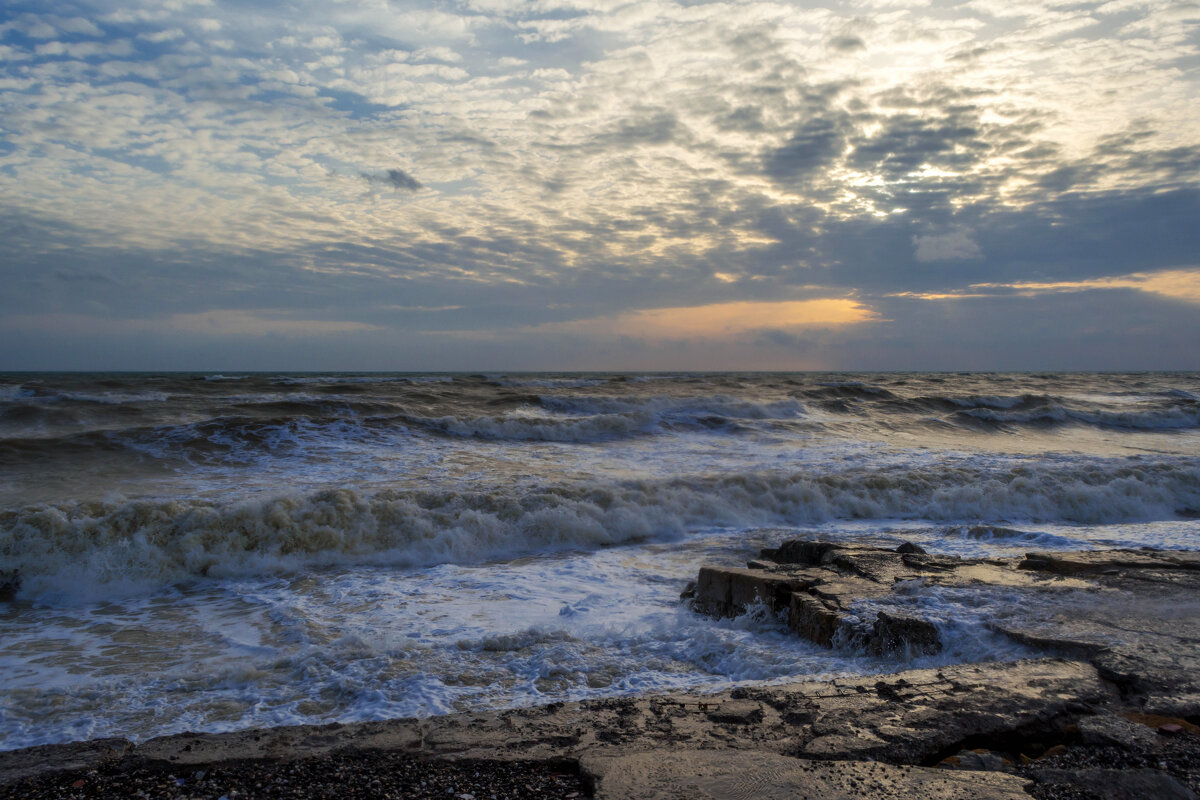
1140	628
1133	614
743	775
908	717
1092	561
31	761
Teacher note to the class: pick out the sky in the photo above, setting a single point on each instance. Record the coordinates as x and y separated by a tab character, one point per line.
599	185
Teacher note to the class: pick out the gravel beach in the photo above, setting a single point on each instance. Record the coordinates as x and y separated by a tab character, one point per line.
374	774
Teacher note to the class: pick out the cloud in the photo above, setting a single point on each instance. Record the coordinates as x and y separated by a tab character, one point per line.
398	179
674	155
953	246
718	320
219	323
1176	284
811	148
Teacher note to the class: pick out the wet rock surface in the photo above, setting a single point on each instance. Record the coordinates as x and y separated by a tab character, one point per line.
1136	616
1114	716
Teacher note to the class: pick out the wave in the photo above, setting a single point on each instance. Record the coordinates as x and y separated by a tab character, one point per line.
305	380
25	417
310	406
998	402
113	398
29	396
582	430
853	390
14	391
222	440
99	547
551	383
679	407
584	419
1174	410
1012	536
1171	418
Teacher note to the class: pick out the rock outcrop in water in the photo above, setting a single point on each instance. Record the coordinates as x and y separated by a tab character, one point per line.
1138	622
10	584
1113	716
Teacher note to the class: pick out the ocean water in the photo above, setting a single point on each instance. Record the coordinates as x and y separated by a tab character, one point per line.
213	552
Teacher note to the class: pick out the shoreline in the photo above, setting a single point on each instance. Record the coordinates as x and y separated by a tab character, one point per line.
1117	716
949	731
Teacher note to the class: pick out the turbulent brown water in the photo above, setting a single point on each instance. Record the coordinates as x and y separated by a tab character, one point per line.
215	551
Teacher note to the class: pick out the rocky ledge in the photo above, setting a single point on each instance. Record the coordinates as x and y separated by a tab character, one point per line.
1132	614
1114	715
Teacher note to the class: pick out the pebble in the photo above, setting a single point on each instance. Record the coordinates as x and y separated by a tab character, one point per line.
1178	756
332	776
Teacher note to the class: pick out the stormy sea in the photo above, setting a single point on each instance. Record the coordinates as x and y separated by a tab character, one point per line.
214	552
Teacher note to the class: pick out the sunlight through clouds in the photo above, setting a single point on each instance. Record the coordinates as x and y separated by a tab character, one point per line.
720	320
516	160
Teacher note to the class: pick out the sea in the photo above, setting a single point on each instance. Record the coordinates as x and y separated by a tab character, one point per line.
213	552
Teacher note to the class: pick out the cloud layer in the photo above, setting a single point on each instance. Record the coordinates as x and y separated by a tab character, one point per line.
564	184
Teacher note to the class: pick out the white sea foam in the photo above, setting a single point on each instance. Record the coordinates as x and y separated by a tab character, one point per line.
373	644
14	391
61	549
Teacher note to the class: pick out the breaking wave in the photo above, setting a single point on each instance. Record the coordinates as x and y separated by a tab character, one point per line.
69	548
1170	410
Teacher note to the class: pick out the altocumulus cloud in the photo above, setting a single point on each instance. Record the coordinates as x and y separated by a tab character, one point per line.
568	184
396	178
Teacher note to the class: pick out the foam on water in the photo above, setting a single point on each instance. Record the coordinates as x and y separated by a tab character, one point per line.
363	643
82	548
212	552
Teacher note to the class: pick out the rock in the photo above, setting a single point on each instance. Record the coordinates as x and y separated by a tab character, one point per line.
18	764
909	547
10	584
980	760
726	591
903	633
735	712
1140	632
1107	729
1056	750
1160	721
920	714
1093	561
1112	784
813	619
797	551
1134	625
737	775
